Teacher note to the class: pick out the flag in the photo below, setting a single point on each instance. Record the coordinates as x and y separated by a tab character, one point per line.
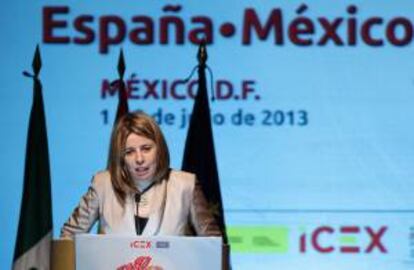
34	236
199	153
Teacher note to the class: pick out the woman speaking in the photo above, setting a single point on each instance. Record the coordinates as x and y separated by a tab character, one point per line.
139	194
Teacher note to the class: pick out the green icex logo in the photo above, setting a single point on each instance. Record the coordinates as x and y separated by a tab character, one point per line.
258	239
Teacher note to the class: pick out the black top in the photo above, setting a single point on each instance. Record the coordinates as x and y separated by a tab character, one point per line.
140	224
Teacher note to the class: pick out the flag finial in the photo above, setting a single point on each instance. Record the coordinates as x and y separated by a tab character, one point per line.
121	64
202	53
37	62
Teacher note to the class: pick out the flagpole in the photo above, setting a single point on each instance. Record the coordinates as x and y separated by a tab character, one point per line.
122	107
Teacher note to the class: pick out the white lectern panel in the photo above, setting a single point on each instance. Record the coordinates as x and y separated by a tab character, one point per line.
124	252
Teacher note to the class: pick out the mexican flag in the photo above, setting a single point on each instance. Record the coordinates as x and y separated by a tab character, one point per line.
34	237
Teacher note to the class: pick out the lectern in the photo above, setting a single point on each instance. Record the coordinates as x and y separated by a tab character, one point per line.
136	252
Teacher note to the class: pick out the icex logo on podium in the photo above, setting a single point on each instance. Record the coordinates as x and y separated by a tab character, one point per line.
144	244
141	244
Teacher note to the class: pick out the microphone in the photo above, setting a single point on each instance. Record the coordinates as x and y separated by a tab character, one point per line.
137	198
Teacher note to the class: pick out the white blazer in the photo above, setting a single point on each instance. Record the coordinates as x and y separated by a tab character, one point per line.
172	205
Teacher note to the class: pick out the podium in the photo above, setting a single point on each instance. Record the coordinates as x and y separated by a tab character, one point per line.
125	252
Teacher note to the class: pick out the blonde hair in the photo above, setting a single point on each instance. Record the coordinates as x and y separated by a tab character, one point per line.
143	125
